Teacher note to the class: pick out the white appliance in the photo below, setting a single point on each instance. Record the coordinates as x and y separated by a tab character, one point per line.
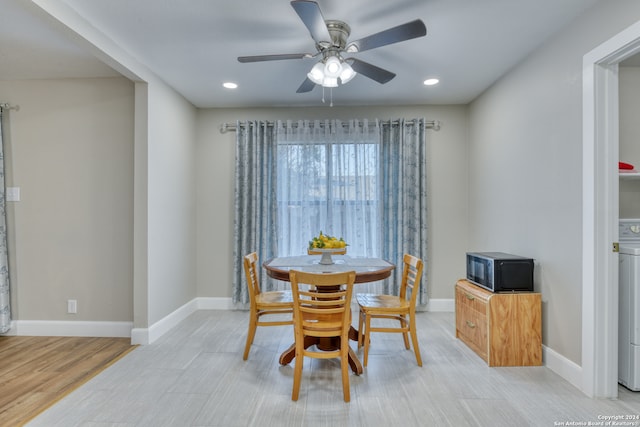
629	304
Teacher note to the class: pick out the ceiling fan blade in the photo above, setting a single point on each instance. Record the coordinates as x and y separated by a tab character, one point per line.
311	16
376	73
306	86
259	58
408	31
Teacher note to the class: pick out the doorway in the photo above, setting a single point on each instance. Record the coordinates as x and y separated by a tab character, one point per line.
600	212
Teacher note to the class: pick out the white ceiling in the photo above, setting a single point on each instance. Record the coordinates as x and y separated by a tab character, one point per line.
193	45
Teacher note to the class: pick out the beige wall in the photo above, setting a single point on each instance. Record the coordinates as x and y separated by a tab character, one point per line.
71	153
526	167
447	189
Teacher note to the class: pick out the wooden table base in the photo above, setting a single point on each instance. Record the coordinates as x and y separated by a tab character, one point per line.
325	344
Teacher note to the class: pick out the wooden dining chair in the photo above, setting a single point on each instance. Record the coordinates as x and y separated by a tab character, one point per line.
374	306
263	303
322	309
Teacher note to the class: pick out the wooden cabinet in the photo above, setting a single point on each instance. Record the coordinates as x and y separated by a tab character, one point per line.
504	329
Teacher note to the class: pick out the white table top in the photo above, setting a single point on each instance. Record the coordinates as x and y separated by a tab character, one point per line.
311	263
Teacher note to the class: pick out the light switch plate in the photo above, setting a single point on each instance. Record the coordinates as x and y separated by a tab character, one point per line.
13	194
72	306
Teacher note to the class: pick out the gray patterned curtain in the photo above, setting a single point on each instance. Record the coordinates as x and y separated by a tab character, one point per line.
404	197
5	297
255	201
403	193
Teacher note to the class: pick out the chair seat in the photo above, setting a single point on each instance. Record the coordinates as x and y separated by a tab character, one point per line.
376	302
274	298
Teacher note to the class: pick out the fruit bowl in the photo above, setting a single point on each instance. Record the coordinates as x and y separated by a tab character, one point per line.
326	245
326	254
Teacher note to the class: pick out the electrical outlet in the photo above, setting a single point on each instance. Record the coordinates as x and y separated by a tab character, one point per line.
72	306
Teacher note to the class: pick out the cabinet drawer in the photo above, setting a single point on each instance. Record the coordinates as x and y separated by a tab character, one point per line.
472	329
472	299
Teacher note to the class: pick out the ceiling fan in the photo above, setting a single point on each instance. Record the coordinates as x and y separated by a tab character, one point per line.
331	38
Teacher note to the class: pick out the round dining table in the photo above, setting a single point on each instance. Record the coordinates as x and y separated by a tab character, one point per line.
366	269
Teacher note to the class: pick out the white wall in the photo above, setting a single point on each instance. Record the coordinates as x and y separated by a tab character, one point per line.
70	151
171	202
447	189
525	167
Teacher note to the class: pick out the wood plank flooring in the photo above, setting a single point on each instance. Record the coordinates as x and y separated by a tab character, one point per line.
195	376
36	372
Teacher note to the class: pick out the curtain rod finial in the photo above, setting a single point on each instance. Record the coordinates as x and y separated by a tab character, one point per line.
8	106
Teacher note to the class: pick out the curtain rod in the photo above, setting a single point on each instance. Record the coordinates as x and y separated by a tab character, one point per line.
7	106
429	124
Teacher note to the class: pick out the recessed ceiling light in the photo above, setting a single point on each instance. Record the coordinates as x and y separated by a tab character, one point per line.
431	82
230	85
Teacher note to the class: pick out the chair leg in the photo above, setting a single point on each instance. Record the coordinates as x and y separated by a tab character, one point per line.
360	331
297	373
414	338
367	338
405	336
344	364
253	324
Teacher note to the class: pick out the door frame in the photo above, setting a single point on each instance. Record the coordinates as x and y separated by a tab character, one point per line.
600	212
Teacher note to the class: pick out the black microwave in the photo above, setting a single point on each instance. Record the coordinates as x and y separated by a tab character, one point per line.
500	272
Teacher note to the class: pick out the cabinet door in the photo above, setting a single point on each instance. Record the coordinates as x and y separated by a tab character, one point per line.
515	334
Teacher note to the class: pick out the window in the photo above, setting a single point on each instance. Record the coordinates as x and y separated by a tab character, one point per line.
328	182
363	182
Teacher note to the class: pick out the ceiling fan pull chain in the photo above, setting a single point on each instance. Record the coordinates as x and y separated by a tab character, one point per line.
331	97
323	94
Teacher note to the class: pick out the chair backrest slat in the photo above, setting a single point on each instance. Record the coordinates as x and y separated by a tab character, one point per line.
321	302
251	272
411	277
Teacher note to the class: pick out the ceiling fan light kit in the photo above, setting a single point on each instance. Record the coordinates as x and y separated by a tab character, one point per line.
332	67
347	73
330	38
326	73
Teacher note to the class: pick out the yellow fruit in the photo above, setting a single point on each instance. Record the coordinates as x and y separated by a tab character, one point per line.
326	242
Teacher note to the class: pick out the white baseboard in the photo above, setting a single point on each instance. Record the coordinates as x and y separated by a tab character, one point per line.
146	336
562	366
63	328
116	329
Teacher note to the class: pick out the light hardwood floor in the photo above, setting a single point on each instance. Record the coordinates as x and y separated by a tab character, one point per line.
35	372
195	376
